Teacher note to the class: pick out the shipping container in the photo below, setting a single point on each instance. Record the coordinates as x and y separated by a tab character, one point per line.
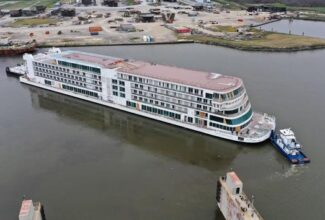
183	30
95	29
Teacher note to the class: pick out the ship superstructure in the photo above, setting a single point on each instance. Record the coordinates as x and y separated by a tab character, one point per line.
210	103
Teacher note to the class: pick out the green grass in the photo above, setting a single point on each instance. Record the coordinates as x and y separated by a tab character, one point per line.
230	4
266	42
33	21
130	2
20	4
219	28
234	5
320	10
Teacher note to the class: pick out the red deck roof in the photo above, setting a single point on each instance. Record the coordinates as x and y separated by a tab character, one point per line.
199	79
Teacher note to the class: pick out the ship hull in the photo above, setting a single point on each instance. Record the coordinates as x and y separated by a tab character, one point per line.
150	116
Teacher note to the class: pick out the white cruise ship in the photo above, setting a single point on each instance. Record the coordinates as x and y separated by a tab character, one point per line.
209	103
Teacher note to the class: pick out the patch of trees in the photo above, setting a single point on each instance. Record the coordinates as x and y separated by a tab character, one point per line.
306	3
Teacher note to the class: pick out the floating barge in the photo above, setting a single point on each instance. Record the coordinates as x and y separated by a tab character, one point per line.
232	201
11	49
31	210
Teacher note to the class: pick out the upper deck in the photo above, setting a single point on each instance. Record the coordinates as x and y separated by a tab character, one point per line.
199	79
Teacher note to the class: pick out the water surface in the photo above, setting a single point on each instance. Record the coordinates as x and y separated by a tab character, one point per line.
297	27
85	161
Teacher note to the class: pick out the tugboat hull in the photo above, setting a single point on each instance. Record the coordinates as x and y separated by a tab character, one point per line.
299	158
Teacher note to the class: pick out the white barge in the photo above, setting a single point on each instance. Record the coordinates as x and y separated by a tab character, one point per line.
31	210
232	201
209	103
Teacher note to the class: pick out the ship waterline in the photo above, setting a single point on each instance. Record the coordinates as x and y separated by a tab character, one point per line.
209	103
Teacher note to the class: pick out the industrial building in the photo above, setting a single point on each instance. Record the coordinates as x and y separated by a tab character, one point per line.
40	8
110	3
146	17
127	28
16	13
68	12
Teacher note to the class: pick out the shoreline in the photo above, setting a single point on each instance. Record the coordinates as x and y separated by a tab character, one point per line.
267	22
86	44
266	49
214	43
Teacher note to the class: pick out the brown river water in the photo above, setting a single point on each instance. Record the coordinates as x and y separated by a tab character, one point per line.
85	161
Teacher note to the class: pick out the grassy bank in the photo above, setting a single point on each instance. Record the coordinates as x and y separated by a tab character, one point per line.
20	4
312	17
33	22
320	10
268	42
219	28
99	42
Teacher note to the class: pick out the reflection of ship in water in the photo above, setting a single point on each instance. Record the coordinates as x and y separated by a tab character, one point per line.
158	138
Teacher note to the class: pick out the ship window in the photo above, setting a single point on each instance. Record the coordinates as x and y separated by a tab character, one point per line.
122	95
240	119
215	118
122	89
230	112
115	93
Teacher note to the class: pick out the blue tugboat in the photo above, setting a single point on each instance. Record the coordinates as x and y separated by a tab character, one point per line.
285	142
